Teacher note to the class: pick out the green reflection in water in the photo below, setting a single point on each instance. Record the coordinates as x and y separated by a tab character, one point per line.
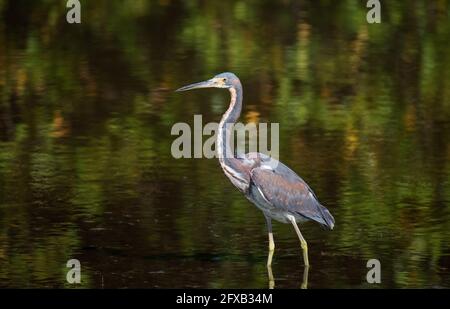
85	119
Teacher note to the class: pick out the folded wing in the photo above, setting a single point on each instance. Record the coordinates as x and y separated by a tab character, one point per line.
285	190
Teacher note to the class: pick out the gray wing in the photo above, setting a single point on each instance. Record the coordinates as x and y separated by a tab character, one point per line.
285	190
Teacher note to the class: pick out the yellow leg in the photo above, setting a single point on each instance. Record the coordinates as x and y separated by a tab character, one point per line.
305	278
271	249
303	243
271	279
269	261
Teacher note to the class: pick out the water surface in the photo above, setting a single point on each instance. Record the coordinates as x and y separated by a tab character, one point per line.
86	113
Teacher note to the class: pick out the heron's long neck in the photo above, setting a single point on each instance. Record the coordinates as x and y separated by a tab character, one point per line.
224	147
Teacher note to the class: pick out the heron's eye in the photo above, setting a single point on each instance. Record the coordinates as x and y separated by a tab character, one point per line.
224	80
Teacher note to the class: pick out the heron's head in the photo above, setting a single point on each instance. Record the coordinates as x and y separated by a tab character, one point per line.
222	80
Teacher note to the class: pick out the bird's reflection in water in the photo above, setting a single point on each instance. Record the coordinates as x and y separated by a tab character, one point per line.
304	284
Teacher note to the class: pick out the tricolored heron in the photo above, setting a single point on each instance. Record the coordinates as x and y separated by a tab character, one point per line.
272	186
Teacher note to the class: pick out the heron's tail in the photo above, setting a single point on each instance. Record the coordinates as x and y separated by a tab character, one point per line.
327	217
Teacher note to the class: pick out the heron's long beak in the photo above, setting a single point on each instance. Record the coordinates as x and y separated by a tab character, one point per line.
206	84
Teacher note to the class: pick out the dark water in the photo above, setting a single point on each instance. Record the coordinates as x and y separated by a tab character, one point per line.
86	113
